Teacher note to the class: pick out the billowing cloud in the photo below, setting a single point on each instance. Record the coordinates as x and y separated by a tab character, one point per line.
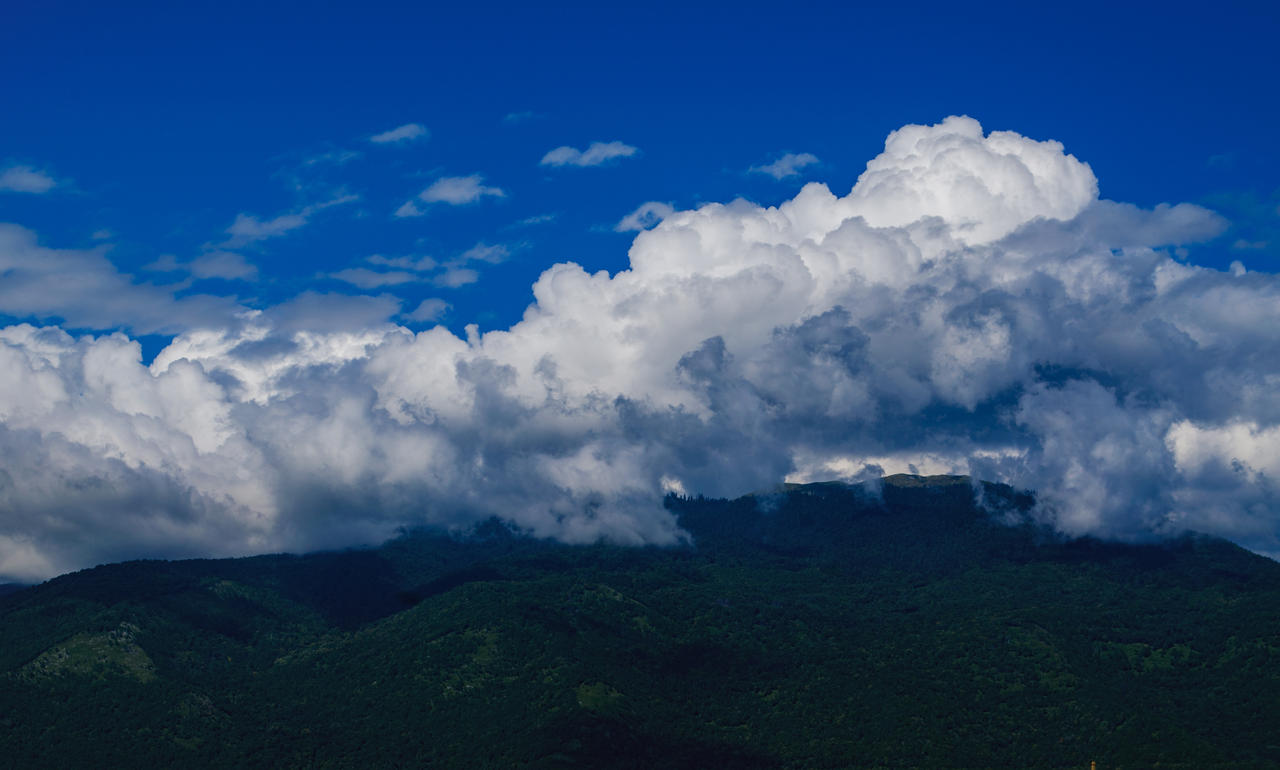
970	305
645	216
406	133
788	165
25	179
598	153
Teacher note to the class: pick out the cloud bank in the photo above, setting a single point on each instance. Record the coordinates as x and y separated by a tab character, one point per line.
970	305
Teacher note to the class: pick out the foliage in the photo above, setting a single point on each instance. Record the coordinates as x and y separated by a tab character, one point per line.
817	626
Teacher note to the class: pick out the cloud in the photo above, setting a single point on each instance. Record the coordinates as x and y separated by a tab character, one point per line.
453	190
406	133
226	265
83	289
788	165
248	229
408	209
970	305
482	252
454	277
26	179
365	278
524	116
416	264
428	310
538	219
597	154
645	216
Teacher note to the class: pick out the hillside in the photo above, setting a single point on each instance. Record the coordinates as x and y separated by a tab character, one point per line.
811	626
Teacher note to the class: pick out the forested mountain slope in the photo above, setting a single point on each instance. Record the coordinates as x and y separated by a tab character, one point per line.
812	626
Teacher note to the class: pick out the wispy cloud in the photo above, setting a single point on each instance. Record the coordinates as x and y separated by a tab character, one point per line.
596	154
26	179
538	219
453	190
247	228
645	216
523	116
227	265
454	277
428	310
416	264
406	133
788	165
364	278
483	252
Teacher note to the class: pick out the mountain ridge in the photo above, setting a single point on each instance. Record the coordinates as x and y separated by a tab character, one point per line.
822	625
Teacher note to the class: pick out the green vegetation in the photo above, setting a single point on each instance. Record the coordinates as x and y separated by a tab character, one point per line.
813	627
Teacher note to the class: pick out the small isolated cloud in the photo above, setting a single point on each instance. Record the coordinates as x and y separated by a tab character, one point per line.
406	133
1244	245
788	165
332	158
598	153
26	179
408	209
416	264
519	117
102	235
429	310
453	190
364	278
645	216
1222	161
248	228
226	265
455	277
483	252
539	219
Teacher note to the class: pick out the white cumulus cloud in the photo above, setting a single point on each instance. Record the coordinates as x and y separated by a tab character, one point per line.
969	305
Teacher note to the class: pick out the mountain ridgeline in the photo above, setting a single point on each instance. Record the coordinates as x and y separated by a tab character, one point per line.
815	626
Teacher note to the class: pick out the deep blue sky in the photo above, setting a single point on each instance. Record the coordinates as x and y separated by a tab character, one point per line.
162	122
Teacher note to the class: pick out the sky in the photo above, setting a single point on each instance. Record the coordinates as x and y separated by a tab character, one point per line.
296	276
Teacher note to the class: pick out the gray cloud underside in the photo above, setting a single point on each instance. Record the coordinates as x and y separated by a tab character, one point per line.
969	306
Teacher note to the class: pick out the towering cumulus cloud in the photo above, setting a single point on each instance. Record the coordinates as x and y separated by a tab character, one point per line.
971	305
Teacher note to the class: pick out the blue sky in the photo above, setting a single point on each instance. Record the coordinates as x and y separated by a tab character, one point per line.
163	123
241	248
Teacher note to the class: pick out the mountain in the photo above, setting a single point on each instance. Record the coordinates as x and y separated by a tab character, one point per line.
810	626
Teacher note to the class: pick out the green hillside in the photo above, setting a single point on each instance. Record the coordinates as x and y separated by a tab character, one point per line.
813	626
